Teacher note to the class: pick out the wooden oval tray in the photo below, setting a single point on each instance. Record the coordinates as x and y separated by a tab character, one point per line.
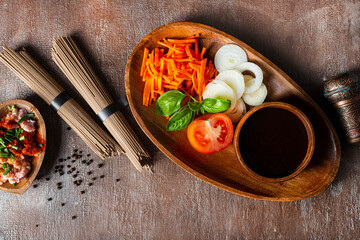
37	161
222	169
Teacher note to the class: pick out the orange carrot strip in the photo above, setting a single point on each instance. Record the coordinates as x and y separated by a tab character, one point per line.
152	57
179	83
161	74
184	72
157	57
169	46
201	76
188	52
194	80
167	79
196	49
182	59
181	40
152	88
172	63
202	53
179	55
194	66
161	53
169	67
143	65
144	75
155	72
148	68
146	93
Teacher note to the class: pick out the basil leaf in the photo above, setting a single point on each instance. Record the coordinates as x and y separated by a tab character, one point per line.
169	102
202	110
194	106
181	119
212	105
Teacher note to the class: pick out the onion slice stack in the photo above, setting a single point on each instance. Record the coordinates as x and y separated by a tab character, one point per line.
230	84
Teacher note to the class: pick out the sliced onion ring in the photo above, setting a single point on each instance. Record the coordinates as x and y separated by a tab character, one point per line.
255	98
220	90
238	111
253	84
228	57
234	79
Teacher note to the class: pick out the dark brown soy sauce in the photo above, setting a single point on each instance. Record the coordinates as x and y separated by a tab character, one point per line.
273	142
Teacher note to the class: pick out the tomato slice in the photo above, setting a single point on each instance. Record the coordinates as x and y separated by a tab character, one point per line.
211	133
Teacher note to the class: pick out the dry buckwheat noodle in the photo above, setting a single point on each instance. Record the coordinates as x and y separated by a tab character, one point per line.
27	69
71	60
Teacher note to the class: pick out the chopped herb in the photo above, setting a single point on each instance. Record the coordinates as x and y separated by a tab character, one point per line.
15	147
22	138
10	133
4	154
1	147
25	117
6	150
4	166
8	138
6	171
12	156
2	142
14	184
17	132
12	107
40	145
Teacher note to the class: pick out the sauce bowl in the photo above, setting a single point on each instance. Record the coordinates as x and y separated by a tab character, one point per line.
274	142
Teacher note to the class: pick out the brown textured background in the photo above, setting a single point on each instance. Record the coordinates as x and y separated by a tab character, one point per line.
309	40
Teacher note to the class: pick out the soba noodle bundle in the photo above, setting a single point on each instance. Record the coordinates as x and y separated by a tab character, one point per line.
70	59
26	68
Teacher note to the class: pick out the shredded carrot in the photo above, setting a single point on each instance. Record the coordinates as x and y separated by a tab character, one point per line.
179	65
143	65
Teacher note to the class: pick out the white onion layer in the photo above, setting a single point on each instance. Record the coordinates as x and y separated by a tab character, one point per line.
228	57
255	98
220	90
234	79
251	85
238	111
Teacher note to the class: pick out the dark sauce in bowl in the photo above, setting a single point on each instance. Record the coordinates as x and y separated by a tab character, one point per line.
273	142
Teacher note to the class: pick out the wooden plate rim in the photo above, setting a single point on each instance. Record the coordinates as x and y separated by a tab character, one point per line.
195	173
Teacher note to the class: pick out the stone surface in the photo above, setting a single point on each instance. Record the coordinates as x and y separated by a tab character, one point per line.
309	40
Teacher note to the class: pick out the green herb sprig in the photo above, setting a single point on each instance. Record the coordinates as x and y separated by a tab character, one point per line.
25	117
170	104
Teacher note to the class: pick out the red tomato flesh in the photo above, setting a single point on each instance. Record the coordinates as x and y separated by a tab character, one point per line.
210	133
